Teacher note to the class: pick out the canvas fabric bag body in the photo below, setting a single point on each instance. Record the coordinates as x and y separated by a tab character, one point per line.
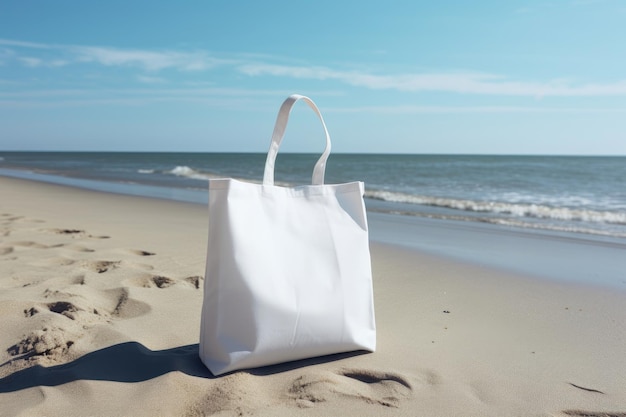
288	273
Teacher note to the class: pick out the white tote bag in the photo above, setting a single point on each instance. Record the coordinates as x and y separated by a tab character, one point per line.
288	272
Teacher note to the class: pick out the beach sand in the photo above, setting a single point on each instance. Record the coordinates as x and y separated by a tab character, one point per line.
100	298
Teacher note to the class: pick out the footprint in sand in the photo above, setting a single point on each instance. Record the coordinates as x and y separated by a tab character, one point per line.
64	308
162	282
101	266
85	314
76	248
57	261
75	233
71	232
374	387
61	281
9	218
78	280
106	266
194	281
125	306
141	252
29	312
77	309
6	250
102	306
29	244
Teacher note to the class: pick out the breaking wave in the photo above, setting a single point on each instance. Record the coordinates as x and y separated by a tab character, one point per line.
515	209
185	171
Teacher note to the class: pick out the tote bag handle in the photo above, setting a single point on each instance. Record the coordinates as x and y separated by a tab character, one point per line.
277	137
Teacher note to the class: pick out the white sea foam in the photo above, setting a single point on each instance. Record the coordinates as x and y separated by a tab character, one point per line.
145	171
187	172
515	209
511	222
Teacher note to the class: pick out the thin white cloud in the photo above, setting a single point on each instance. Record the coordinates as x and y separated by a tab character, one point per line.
30	61
219	97
11	42
109	56
148	60
150	80
463	83
153	61
163	92
33	62
6	55
317	73
468	109
587	2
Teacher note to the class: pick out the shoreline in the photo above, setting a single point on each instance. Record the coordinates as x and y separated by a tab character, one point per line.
185	184
103	292
581	258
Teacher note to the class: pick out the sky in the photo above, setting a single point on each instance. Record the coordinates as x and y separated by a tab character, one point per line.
451	77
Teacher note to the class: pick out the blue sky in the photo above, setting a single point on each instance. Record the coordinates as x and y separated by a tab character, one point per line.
496	77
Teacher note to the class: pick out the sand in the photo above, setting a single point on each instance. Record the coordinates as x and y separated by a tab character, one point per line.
100	298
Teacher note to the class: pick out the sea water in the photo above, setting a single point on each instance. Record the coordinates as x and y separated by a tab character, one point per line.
570	194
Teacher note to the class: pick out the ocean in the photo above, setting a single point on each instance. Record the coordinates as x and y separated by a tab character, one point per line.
564	194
